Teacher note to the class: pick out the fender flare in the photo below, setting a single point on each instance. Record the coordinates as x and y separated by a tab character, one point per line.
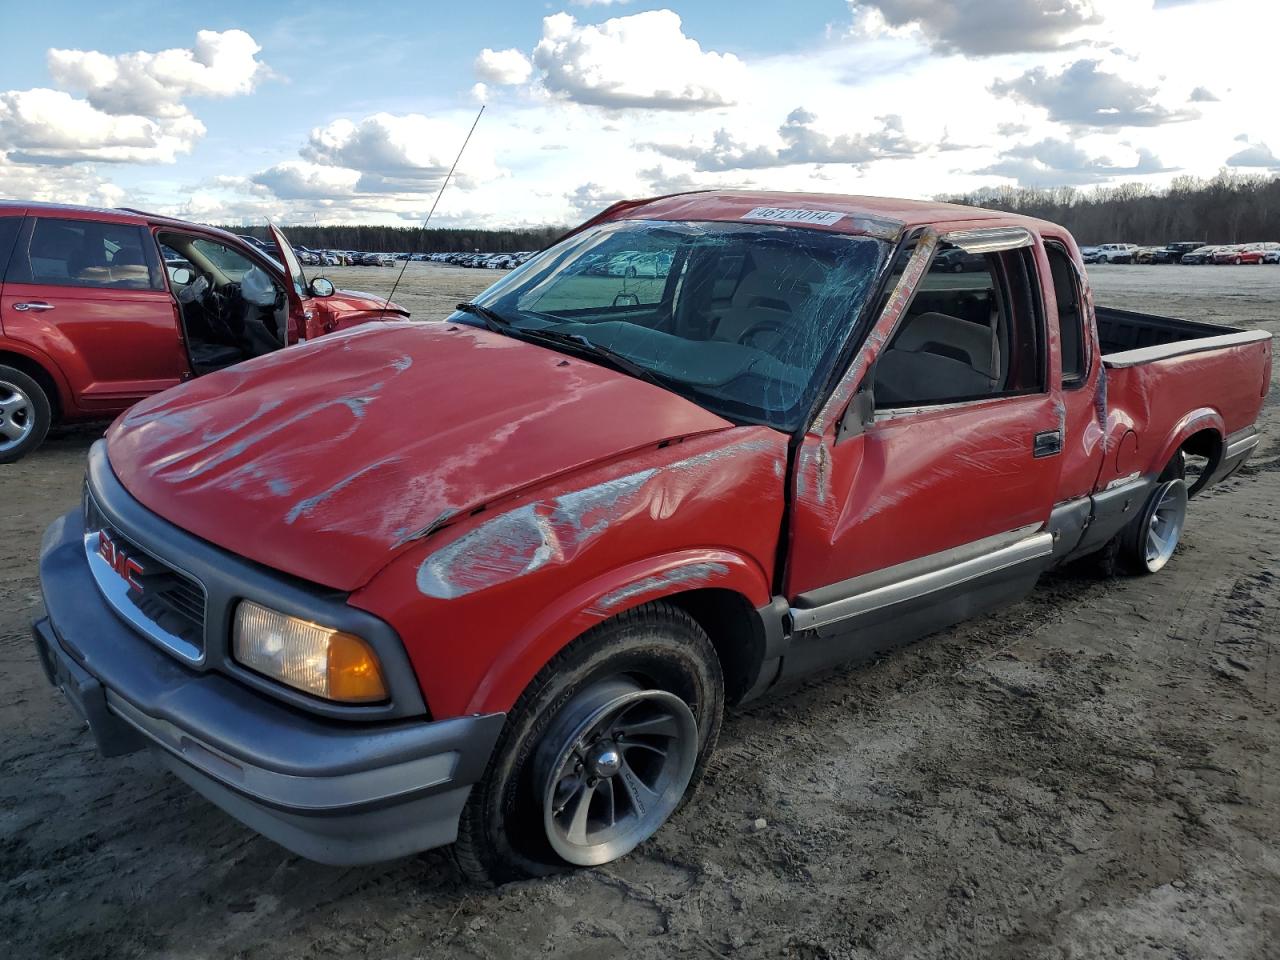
65	399
601	598
1200	419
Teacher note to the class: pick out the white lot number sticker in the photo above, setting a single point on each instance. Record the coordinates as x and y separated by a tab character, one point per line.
823	218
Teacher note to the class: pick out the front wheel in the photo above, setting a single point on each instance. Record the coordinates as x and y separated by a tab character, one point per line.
605	744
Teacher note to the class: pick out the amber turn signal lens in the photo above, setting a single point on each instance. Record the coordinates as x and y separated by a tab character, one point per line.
354	675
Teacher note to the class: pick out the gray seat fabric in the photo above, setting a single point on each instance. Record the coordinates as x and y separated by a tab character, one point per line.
936	357
775	290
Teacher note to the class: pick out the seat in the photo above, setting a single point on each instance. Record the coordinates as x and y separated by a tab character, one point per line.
129	269
773	292
936	357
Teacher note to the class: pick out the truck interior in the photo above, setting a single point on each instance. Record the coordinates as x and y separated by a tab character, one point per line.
232	309
965	336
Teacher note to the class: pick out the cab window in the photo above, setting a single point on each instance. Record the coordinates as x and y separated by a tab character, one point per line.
86	253
972	332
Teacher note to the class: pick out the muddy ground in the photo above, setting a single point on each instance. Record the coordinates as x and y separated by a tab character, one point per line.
1094	772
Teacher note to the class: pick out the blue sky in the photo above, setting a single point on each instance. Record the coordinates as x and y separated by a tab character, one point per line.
301	111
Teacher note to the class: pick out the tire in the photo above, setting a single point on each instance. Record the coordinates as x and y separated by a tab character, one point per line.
1239	261
629	273
649	662
25	414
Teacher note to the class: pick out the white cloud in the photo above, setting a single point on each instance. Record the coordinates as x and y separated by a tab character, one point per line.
1087	94
1254	155
156	84
299	180
644	60
50	126
396	153
503	67
58	184
1053	162
802	142
982	27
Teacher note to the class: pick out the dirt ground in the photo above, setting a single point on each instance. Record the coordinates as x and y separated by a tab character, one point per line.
1094	772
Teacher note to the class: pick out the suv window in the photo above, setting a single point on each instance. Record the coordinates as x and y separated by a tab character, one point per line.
9	227
966	336
85	253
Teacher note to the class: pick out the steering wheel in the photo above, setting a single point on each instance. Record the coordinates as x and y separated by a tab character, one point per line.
759	327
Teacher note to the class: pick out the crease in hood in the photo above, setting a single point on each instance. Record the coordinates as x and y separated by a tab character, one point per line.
324	459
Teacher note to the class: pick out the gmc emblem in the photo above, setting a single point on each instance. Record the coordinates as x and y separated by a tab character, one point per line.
129	570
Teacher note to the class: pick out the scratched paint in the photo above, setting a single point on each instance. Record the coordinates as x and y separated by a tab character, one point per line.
680	578
520	541
307	505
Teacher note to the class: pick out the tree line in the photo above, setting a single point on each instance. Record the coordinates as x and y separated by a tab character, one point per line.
1228	208
379	239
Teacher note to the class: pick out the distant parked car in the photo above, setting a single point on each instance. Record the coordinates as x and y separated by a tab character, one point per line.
1228	254
1271	256
1174	252
1200	255
1145	254
1254	252
1116	253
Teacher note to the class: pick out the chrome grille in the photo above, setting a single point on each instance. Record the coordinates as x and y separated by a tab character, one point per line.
160	601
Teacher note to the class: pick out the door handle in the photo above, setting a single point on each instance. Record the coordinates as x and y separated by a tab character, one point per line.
33	305
1047	444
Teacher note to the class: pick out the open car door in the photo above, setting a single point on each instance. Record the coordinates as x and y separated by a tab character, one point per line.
304	321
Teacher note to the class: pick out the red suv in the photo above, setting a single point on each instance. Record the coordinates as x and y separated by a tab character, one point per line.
101	308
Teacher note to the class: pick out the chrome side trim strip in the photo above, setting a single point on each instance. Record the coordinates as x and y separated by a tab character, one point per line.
1036	547
1180	348
1241	447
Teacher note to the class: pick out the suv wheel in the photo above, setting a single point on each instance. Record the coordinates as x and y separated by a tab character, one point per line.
25	414
601	749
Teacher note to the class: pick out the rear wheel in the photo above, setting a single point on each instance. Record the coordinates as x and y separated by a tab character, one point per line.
1149	542
604	745
25	414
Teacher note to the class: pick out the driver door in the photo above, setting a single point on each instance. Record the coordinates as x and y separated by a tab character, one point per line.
307	319
931	504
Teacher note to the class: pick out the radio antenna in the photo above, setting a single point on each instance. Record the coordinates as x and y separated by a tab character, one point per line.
404	263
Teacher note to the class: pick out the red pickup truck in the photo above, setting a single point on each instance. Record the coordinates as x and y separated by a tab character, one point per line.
494	579
100	308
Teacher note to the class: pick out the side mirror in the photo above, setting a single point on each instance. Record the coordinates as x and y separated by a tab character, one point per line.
860	413
182	276
321	287
626	300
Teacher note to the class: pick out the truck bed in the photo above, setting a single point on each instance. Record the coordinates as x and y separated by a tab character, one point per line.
1169	378
1128	338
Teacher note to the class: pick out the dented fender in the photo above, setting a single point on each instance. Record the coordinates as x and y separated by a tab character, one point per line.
483	601
572	614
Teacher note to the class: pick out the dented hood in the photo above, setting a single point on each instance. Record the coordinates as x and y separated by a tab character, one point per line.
324	459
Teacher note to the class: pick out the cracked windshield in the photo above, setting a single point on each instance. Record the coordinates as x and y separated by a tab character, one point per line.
743	319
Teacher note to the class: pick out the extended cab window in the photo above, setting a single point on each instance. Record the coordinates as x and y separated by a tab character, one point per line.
971	332
1066	290
744	319
85	253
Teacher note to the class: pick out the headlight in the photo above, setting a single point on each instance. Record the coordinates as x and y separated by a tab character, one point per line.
318	660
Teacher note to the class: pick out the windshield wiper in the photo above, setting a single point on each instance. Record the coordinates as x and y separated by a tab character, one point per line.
576	343
492	319
580	344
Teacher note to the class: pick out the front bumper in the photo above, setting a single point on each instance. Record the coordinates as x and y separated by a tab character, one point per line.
333	791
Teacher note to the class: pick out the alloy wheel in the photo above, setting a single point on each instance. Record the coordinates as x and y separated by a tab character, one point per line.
17	416
612	768
1164	528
